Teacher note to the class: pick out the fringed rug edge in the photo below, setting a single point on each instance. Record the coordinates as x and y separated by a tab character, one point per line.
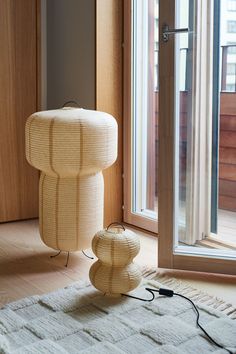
184	288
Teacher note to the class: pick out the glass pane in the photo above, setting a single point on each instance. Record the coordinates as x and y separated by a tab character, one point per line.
183	99
205	142
226	232
145	107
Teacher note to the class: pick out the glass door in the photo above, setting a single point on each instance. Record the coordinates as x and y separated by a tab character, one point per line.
223	228
141	113
196	158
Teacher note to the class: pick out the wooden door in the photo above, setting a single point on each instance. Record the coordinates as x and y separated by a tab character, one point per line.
18	99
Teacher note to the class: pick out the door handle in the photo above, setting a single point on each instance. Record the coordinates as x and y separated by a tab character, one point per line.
166	31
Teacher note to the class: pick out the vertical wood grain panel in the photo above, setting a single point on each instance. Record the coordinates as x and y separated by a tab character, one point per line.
18	99
166	138
109	93
227	151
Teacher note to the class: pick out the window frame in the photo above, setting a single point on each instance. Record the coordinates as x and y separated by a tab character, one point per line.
137	219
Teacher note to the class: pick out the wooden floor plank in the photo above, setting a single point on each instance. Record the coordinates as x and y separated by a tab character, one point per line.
27	269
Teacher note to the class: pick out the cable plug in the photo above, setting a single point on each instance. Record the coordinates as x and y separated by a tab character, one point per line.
166	292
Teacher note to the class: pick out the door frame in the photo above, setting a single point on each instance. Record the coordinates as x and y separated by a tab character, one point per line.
167	258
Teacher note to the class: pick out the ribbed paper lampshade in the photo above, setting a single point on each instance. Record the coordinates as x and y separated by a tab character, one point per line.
71	146
114	272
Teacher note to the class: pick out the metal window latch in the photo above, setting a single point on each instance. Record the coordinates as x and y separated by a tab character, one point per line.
166	31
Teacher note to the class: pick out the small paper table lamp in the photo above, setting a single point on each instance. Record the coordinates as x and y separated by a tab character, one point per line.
114	273
71	146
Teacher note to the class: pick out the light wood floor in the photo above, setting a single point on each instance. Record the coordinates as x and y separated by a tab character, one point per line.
27	269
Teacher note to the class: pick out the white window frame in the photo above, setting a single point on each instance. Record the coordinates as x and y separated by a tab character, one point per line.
135	85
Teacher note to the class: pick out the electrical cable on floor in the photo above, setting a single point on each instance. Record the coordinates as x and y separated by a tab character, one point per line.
170	293
85	254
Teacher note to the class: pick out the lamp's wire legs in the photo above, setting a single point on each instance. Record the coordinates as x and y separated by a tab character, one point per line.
87	255
67	260
55	255
68	256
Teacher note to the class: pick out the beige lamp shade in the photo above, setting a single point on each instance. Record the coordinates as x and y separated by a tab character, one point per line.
71	146
114	272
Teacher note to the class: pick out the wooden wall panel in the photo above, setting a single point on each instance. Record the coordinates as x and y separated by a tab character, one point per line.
18	99
228	122
227	103
227	148
228	138
227	151
227	171
109	93
227	202
227	188
227	155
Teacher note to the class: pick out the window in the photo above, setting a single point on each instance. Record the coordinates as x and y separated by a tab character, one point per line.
231	47
189	126
230	87
231	69
228	68
156	49
173	126
206	202
231	5
231	26
140	202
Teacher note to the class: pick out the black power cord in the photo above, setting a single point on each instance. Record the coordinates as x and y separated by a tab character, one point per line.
170	293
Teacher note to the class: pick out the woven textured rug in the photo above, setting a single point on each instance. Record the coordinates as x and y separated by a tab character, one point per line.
79	319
